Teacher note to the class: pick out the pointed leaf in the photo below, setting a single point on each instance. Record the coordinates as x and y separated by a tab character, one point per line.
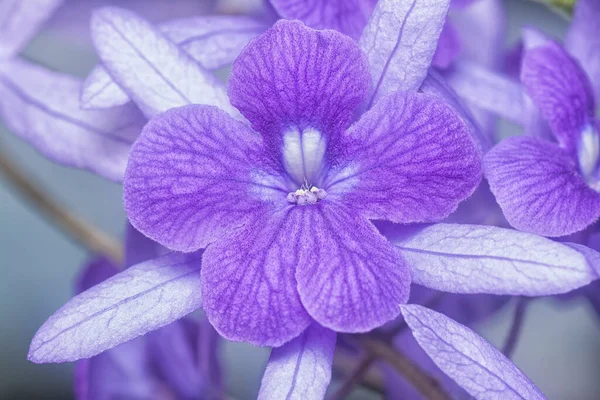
138	300
466	357
213	41
301	368
41	106
400	41
155	72
20	21
461	258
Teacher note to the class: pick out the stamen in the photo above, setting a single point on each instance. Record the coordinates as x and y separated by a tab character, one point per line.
306	196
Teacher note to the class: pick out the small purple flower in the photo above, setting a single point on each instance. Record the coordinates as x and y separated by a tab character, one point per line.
283	208
550	186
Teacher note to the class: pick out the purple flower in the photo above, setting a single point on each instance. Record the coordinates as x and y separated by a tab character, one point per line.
550	187
283	208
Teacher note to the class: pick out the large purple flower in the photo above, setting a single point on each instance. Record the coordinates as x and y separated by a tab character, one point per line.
283	208
551	187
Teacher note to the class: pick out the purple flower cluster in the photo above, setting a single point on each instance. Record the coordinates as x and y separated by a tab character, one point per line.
328	190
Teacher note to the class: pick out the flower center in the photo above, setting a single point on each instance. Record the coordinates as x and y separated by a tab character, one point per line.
303	153
588	150
306	196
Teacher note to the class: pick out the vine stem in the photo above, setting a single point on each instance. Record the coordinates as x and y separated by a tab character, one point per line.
516	327
74	226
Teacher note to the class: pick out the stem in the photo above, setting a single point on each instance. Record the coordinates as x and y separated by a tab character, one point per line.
425	384
354	377
78	229
516	327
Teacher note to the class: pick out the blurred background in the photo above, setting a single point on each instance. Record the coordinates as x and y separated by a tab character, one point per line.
559	348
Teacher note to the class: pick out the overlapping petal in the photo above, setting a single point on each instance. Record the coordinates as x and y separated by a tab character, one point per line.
448	48
294	77
411	159
194	176
300	369
560	89
539	187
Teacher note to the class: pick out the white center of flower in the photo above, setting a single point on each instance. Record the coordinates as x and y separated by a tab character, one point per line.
303	152
305	196
588	150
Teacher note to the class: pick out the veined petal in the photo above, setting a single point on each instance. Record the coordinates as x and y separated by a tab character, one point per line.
539	187
131	303
213	41
95	271
301	368
466	357
582	40
139	248
155	72
41	106
460	258
193	176
400	41
346	16
487	90
561	90
20	21
295	77
448	47
350	279
410	159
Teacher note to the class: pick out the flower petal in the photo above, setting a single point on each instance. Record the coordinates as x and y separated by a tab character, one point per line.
582	39
560	89
41	106
20	21
411	159
487	90
349	277
467	358
248	283
460	258
97	270
139	248
154	71
193	177
448	47
346	16
539	187
436	85
300	369
131	303
400	41
213	41
297	76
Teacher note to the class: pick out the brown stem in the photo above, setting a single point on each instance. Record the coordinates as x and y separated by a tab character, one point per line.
425	384
80	230
354	377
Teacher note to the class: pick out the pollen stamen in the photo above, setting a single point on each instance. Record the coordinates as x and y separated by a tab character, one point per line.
306	196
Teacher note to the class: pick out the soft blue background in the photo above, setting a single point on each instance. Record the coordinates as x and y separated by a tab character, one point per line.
559	349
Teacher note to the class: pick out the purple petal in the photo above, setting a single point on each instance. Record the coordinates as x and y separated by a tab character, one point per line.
400	41
41	106
487	90
448	47
213	41
294	76
154	71
192	177
20	21
561	90
349	277
583	39
436	85
460	258
539	187
139	248
300	369
346	16
411	160
592	256
131	303
467	358
249	288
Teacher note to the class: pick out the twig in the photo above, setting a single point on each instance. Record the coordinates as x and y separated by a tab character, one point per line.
425	384
78	229
354	378
346	366
516	327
